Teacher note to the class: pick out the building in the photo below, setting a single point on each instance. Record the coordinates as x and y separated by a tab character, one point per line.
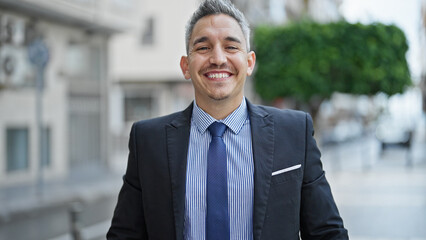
318	10
73	110
423	54
146	80
281	11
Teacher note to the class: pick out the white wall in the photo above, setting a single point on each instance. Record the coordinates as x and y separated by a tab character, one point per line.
130	61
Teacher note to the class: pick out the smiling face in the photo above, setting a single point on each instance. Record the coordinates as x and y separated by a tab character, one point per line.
218	62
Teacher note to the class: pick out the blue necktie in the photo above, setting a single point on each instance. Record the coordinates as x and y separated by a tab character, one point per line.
217	219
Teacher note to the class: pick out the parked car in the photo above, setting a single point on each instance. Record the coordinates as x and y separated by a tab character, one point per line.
393	132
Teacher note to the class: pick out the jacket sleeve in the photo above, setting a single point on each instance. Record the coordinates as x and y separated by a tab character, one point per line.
319	216
128	221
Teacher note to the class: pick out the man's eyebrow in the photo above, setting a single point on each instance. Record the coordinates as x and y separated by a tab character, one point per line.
233	39
204	39
199	40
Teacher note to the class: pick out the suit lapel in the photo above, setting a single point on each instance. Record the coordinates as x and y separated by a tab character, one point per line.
177	149
262	130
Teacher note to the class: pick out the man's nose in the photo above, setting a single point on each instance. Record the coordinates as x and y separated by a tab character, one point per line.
218	57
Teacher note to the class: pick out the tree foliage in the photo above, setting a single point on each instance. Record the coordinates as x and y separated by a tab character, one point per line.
310	60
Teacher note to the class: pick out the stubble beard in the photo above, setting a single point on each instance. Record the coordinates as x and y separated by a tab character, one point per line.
219	98
219	94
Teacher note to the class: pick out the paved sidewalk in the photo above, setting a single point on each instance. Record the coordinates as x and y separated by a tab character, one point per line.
29	212
80	186
379	196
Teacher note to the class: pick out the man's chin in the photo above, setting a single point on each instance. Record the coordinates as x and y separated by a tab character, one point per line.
219	97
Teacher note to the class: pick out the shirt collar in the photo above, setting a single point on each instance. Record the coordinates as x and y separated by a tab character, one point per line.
233	121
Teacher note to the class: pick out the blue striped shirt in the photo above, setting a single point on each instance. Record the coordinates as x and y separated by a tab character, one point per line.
239	153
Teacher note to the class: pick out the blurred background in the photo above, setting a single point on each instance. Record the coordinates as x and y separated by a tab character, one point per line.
75	74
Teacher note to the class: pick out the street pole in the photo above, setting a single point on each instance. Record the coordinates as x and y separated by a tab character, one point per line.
38	54
39	130
75	211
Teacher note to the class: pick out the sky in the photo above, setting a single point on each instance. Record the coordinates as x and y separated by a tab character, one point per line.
403	13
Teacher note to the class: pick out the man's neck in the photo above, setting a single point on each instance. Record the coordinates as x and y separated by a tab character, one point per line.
220	109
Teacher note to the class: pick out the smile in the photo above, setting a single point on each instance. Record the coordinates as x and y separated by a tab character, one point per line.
218	75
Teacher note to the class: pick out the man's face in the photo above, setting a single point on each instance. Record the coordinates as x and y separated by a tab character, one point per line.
218	62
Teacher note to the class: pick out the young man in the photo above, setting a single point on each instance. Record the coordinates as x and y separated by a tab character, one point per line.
224	168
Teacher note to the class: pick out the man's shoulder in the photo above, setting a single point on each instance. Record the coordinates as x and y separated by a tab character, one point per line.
161	120
180	117
287	119
279	113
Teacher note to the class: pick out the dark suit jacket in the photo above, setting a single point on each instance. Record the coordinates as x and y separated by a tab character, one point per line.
152	199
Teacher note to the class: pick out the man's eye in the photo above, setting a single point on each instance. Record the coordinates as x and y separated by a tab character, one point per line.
202	49
232	48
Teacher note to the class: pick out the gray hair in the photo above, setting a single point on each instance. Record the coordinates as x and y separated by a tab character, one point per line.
214	7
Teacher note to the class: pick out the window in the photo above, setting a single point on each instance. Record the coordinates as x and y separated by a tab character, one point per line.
45	147
84	130
124	4
83	61
17	149
148	32
137	108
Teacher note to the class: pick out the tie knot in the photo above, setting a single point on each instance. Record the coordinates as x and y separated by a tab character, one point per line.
217	129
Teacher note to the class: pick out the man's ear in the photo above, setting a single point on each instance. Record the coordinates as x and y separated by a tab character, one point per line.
251	62
184	66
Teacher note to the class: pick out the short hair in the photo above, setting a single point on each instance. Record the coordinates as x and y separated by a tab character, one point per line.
214	7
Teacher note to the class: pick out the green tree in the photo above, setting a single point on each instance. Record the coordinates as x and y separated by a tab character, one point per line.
309	61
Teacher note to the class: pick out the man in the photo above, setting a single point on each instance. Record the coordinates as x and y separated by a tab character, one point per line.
224	168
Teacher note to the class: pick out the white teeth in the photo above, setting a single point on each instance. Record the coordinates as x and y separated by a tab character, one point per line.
218	75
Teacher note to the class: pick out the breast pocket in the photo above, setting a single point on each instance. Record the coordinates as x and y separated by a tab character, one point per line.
286	174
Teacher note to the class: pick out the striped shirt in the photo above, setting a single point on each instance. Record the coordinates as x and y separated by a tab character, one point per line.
237	138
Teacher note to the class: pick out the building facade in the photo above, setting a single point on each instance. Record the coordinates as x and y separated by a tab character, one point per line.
282	11
68	129
146	80
423	53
